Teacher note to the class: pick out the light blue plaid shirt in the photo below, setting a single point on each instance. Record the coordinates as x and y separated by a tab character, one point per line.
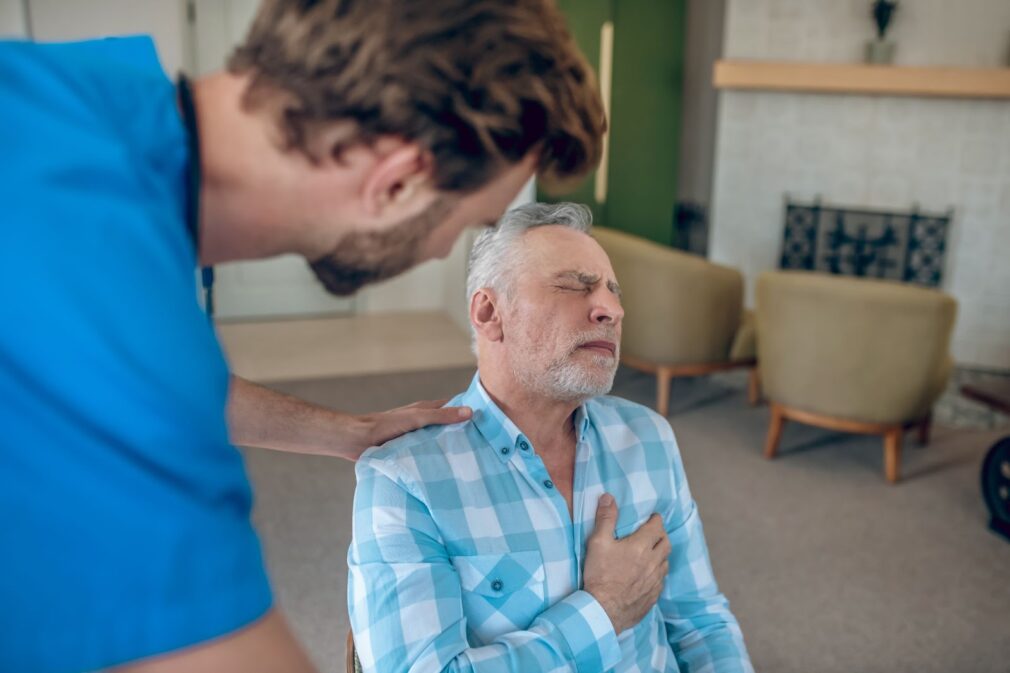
464	556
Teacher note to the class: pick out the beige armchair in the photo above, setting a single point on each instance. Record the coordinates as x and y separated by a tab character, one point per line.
683	314
851	354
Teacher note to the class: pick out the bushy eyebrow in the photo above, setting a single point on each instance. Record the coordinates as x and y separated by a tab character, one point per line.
589	279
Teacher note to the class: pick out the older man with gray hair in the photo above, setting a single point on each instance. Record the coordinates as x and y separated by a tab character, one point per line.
554	530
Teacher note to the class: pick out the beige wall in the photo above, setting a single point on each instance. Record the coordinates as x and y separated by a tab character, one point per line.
703	45
875	151
12	19
165	20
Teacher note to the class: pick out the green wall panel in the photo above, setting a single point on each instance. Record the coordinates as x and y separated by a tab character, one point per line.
584	19
645	105
645	110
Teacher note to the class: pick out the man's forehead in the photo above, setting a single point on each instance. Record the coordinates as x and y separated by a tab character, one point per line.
585	263
560	248
557	239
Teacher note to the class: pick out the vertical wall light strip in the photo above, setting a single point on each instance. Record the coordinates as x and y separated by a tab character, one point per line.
606	74
26	17
189	60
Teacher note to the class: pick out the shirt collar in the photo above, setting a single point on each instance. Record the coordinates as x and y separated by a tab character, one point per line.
498	430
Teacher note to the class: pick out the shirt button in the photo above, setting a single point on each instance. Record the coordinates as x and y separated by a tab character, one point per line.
504	450
497	585
524	446
548	483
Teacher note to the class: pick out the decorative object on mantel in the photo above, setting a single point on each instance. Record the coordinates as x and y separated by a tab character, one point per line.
904	246
880	50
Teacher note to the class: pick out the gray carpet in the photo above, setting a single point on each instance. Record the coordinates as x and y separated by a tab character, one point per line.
827	567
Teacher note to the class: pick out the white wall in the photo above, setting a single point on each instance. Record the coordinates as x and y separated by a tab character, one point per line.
927	32
875	151
12	19
165	20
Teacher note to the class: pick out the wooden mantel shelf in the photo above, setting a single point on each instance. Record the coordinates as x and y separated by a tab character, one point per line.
863	79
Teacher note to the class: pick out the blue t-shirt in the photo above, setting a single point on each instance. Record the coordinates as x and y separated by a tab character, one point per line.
124	509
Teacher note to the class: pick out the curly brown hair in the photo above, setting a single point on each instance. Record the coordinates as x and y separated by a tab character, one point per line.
477	83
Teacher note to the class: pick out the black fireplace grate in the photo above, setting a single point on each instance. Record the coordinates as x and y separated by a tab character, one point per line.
905	246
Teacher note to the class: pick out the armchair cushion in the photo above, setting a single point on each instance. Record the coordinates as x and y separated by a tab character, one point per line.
866	350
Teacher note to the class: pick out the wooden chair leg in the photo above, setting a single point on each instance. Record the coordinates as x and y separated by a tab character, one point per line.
778	420
663	378
350	658
924	427
892	454
754	387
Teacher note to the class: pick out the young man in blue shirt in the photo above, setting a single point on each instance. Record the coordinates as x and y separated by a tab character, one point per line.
364	136
486	545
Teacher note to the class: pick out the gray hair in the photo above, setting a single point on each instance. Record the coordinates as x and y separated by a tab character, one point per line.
493	256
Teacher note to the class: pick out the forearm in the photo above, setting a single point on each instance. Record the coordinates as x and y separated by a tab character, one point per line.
572	635
714	643
271	420
264	418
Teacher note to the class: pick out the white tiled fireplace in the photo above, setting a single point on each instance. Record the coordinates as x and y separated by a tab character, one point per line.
873	151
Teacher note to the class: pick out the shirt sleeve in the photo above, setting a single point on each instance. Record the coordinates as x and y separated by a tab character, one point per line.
405	599
702	632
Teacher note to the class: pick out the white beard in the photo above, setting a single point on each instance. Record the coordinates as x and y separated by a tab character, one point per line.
565	379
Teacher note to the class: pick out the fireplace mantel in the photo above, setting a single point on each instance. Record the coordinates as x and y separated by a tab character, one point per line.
845	78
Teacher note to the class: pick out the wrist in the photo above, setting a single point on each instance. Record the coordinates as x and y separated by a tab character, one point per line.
351	435
609	606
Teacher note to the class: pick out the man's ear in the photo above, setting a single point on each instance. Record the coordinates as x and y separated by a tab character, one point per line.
398	184
485	315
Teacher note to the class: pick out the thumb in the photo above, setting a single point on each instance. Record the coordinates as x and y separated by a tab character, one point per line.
440	416
606	516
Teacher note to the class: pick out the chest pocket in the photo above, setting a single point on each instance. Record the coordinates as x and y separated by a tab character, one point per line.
624	529
630	519
501	592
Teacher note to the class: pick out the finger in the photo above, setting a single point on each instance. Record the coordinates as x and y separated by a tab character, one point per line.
606	516
442	416
428	404
658	574
651	528
660	569
661	574
661	539
650	532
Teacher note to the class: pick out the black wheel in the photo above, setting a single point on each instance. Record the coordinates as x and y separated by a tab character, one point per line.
996	483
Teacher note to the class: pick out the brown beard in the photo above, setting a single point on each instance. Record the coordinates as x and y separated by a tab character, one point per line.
369	257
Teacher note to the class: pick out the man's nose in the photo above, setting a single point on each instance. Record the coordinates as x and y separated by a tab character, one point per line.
607	310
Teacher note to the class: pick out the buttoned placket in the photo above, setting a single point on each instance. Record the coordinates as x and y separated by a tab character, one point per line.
520	454
583	456
536	474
